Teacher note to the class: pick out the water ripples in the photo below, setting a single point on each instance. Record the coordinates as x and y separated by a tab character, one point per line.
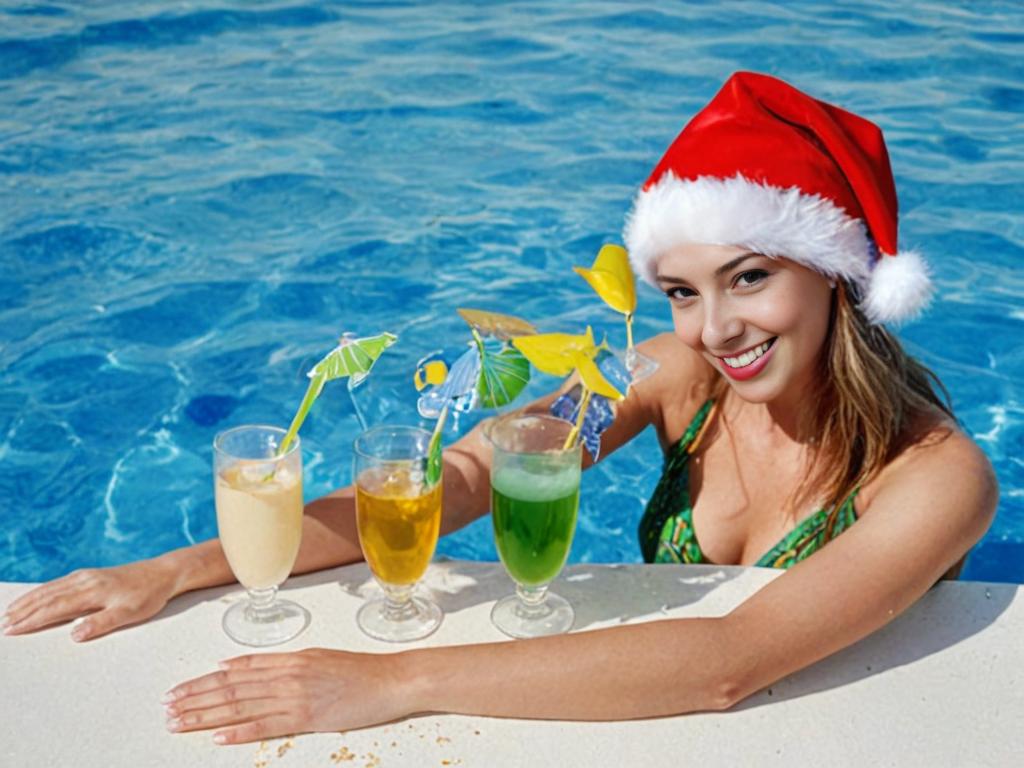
195	203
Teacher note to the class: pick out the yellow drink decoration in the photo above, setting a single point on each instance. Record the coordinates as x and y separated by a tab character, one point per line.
611	277
398	524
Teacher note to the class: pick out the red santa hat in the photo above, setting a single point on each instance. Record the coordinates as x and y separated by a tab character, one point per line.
766	167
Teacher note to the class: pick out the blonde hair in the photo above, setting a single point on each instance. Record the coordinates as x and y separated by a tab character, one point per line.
871	391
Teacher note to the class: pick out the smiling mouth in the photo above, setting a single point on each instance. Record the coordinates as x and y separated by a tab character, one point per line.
750	356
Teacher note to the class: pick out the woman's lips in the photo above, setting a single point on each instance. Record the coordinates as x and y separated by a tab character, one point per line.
750	370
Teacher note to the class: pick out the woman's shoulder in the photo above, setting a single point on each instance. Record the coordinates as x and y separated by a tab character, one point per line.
674	392
943	465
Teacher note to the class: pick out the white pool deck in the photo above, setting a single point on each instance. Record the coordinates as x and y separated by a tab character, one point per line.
941	686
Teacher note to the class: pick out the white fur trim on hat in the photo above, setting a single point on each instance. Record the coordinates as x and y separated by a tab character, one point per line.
808	229
899	288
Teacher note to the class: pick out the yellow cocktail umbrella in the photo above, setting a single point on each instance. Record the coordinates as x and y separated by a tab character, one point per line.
559	354
611	277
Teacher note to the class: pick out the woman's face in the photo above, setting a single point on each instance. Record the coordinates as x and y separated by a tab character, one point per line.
761	322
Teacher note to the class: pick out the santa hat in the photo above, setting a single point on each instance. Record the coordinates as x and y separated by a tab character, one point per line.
766	167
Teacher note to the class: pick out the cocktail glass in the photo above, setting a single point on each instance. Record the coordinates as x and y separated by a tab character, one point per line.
259	518
398	516
535	491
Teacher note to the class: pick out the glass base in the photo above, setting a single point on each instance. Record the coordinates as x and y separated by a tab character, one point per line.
384	619
277	623
552	616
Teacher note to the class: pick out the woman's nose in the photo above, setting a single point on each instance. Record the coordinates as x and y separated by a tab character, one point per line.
721	325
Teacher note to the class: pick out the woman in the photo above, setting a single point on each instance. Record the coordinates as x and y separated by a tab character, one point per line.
794	425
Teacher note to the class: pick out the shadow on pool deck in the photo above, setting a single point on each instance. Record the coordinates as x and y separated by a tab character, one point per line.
911	637
457	585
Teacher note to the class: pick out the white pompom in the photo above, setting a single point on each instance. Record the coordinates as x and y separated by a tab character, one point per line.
899	288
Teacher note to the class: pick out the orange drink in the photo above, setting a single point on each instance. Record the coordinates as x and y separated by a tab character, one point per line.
399	521
398	516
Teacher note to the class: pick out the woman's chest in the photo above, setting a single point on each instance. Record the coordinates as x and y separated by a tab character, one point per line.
746	498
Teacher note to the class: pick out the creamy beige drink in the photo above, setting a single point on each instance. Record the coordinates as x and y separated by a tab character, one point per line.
259	518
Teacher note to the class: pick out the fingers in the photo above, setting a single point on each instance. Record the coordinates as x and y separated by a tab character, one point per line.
251	703
36	598
258	730
23	603
215	681
99	624
256	704
263	661
115	597
264	695
233	712
56	610
248	690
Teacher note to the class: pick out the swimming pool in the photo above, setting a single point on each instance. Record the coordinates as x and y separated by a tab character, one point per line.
195	202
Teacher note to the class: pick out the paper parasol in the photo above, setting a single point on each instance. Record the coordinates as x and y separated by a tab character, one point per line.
611	277
559	354
489	374
352	359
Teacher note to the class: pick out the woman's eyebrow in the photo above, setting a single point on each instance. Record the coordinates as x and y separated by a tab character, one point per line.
728	266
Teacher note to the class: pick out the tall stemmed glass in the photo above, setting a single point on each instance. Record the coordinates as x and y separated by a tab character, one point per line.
398	516
258	496
535	491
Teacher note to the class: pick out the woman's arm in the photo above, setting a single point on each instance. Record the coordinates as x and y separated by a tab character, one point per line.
114	597
104	599
932	505
921	520
107	598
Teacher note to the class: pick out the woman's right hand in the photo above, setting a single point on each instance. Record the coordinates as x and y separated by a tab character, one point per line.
107	598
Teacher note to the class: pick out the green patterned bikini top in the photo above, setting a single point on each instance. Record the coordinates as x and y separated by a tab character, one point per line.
666	529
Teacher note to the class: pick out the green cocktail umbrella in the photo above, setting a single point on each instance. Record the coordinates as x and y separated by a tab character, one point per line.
491	373
352	359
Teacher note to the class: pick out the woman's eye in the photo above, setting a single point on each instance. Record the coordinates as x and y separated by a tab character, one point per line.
750	278
679	293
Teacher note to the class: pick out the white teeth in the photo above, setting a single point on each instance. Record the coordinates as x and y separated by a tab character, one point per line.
747	357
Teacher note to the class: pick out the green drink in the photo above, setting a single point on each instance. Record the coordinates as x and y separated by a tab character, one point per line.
534	518
535	492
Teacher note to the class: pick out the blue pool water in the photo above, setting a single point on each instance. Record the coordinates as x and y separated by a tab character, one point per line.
196	199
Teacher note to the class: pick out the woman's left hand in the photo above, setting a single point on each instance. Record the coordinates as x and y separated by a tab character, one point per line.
266	695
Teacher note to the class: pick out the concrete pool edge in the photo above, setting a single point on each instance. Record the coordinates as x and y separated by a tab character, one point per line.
943	682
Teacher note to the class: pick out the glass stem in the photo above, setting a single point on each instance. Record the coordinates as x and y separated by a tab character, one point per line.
398	605
531	601
261	602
